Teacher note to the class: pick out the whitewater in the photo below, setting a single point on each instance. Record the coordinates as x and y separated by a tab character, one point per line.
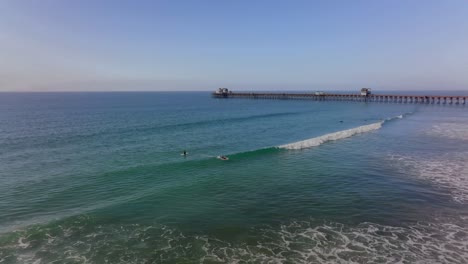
317	141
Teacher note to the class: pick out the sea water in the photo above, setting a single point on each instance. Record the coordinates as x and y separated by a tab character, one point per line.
98	178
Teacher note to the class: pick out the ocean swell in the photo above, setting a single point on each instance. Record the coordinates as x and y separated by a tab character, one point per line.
317	141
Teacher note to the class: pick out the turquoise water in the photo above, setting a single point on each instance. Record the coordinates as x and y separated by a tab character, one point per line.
98	177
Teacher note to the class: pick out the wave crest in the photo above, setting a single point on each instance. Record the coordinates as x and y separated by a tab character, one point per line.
317	141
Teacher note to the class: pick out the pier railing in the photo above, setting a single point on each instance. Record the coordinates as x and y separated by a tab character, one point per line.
385	98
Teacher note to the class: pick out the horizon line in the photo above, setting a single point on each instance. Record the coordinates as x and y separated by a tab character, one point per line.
241	90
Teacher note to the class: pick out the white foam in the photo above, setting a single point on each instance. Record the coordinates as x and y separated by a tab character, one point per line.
438	241
448	171
50	239
22	244
451	130
300	242
317	141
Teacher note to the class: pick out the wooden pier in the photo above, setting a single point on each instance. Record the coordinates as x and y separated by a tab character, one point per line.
384	98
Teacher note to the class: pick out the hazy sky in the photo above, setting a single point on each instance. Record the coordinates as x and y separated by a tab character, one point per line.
201	45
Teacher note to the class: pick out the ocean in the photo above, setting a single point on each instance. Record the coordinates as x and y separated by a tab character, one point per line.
99	178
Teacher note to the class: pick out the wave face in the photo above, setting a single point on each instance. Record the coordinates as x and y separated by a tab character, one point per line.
317	141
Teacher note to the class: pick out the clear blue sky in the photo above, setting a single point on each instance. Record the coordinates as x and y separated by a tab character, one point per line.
51	45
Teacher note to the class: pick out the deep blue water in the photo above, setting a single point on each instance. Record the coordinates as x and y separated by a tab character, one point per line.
96	177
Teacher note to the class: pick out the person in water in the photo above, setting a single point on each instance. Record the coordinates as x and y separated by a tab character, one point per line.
184	153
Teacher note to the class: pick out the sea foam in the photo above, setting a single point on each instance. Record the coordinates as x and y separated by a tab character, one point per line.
448	171
452	130
317	141
441	240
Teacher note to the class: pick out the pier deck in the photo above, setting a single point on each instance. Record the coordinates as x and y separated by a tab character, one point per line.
386	98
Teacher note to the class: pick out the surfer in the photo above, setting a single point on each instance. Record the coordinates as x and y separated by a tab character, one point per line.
223	158
184	153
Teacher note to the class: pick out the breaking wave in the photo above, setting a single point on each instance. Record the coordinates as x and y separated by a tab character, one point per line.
82	240
317	141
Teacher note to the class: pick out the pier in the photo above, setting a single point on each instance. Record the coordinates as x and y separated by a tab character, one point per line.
364	96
